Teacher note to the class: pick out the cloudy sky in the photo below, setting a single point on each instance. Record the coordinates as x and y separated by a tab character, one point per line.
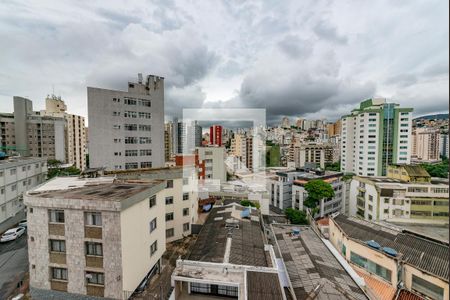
314	59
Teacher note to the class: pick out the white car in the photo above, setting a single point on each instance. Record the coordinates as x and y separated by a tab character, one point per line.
12	234
23	223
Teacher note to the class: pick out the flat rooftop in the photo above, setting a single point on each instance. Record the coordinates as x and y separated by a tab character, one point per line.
245	242
312	269
424	253
107	189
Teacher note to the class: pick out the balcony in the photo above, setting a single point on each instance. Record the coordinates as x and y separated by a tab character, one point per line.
58	258
56	229
93	232
95	290
58	285
94	261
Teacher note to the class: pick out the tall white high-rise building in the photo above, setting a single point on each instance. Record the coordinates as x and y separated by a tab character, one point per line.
126	129
425	144
375	135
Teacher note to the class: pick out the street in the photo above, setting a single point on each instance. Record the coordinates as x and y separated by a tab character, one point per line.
13	264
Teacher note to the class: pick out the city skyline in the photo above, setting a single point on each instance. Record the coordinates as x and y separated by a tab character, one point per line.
305	60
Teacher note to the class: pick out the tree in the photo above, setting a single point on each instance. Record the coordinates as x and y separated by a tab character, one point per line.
333	166
296	216
317	190
437	170
250	203
54	169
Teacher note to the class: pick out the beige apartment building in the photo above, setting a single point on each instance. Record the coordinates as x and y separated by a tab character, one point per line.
306	153
392	260
27	133
180	197
94	237
425	144
74	130
408	194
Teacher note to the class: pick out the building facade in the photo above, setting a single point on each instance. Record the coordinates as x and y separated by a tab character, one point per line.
212	163
126	129
17	175
374	136
75	131
303	154
443	145
187	136
399	200
392	260
425	144
28	133
326	206
96	237
215	135
180	197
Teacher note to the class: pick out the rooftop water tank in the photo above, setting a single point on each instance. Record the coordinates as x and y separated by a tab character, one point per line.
373	244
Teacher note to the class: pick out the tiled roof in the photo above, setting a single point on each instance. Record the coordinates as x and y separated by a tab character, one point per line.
247	243
312	269
263	286
383	290
407	295
425	254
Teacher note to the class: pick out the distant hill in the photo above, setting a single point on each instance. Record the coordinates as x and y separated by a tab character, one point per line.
430	117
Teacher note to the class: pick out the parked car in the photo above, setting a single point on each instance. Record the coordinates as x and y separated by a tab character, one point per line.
23	223
12	234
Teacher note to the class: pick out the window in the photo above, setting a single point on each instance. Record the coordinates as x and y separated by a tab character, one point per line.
146	103
427	288
185	226
169	200
56	216
95	278
145	140
146	164
93	248
153	225
116	126
12	172
185	181
24	168
439	190
144	115
370	266
58	273
145	152
145	127
130	114
133	165
131	140
130	127
93	219
131	153
185	196
153	248
417	189
58	246
129	101
170	232
169	217
185	212
169	184
152	201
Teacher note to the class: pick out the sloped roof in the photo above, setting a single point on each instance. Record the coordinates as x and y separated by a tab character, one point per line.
419	251
407	295
382	289
416	171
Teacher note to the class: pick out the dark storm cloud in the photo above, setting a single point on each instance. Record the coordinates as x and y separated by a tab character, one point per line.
293	58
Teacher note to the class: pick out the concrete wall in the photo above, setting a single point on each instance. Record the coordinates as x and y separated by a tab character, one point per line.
107	120
137	238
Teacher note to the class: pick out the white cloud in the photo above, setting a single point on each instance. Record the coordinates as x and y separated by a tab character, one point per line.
309	58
